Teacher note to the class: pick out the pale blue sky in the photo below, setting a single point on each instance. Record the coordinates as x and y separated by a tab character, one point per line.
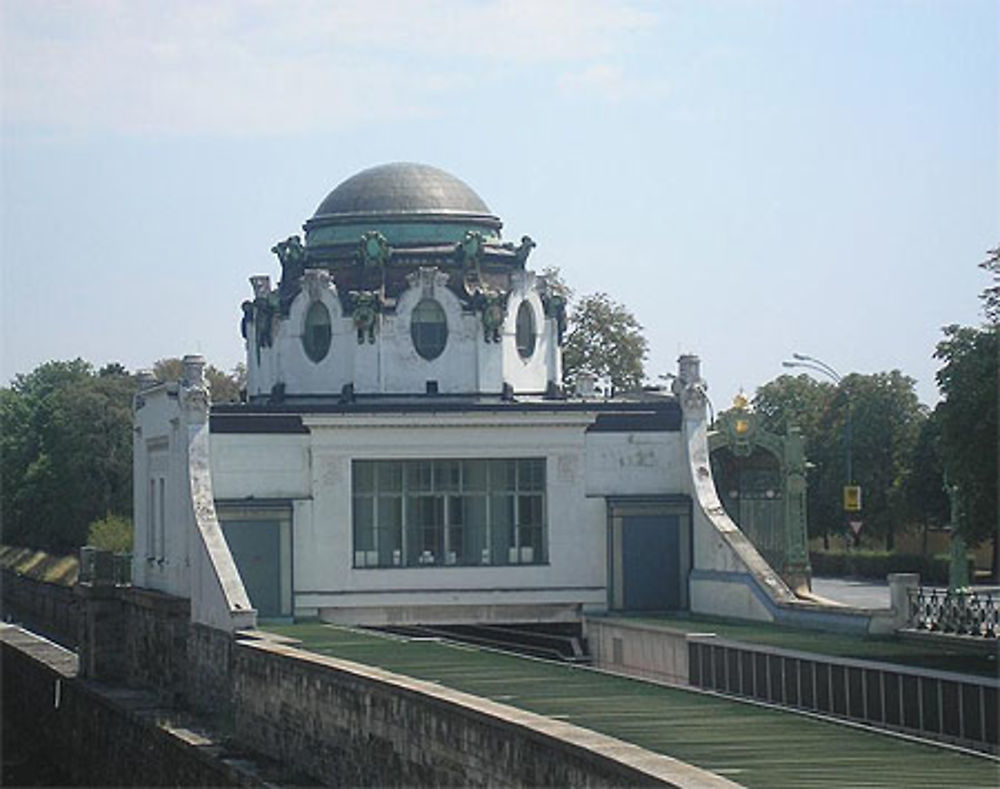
751	177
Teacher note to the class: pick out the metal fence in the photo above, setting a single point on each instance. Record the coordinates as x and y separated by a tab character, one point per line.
104	567
964	612
942	705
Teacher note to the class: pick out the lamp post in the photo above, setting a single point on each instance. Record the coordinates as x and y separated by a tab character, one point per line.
803	361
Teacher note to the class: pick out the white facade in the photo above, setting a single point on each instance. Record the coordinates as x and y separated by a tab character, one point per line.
407	454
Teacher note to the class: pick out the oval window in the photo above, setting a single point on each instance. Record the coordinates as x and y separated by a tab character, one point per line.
316	332
429	329
525	330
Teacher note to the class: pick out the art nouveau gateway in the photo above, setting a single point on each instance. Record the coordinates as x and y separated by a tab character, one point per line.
407	452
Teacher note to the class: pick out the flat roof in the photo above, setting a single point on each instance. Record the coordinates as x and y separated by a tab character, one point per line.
753	745
660	414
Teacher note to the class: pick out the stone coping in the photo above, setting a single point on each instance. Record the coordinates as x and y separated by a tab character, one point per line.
656	767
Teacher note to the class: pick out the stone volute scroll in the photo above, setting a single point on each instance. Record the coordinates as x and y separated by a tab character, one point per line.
316	282
427	279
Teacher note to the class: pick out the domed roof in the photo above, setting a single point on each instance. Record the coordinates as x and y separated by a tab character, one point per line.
402	188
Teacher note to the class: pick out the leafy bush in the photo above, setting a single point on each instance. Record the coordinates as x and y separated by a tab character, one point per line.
111	533
878	564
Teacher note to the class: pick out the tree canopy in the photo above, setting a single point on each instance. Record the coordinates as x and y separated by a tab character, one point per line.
66	452
605	339
66	449
886	419
968	381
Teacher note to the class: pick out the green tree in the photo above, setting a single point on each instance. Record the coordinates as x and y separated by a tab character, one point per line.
886	417
605	339
802	401
991	295
111	533
968	381
67	452
926	499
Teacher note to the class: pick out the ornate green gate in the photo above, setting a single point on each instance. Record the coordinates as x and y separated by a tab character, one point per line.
761	482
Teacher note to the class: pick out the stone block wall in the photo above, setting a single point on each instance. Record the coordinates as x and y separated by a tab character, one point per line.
46	608
209	688
90	735
155	642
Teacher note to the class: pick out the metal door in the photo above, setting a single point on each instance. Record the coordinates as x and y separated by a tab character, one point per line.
651	562
255	545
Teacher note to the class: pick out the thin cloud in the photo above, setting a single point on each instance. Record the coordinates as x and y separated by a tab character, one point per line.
266	67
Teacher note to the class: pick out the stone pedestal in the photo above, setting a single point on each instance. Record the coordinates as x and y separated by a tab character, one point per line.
102	632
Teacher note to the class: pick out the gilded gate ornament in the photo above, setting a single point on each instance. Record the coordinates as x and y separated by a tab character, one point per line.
739	431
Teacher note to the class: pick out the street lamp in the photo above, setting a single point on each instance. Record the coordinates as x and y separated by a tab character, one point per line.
819	366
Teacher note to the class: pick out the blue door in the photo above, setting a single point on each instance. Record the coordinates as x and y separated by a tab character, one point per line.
255	545
651	562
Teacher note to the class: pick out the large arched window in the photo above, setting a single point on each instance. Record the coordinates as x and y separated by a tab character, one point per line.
525	330
429	329
316	332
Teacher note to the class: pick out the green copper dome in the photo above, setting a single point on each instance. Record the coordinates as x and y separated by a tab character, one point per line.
402	188
408	203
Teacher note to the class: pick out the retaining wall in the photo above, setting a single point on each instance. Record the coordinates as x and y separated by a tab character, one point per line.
50	609
83	734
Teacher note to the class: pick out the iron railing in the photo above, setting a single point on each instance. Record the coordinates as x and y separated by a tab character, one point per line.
105	567
964	612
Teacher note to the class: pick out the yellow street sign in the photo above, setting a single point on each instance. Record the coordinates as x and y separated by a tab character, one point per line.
852	498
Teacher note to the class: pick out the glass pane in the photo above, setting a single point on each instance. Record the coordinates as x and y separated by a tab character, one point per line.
418	475
446	475
390	477
364	533
476	550
525	330
502	475
390	533
529	510
531	474
474	475
502	530
363	476
316	332
428	329
425	530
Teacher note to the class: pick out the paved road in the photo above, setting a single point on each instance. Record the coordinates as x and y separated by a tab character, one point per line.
861	594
